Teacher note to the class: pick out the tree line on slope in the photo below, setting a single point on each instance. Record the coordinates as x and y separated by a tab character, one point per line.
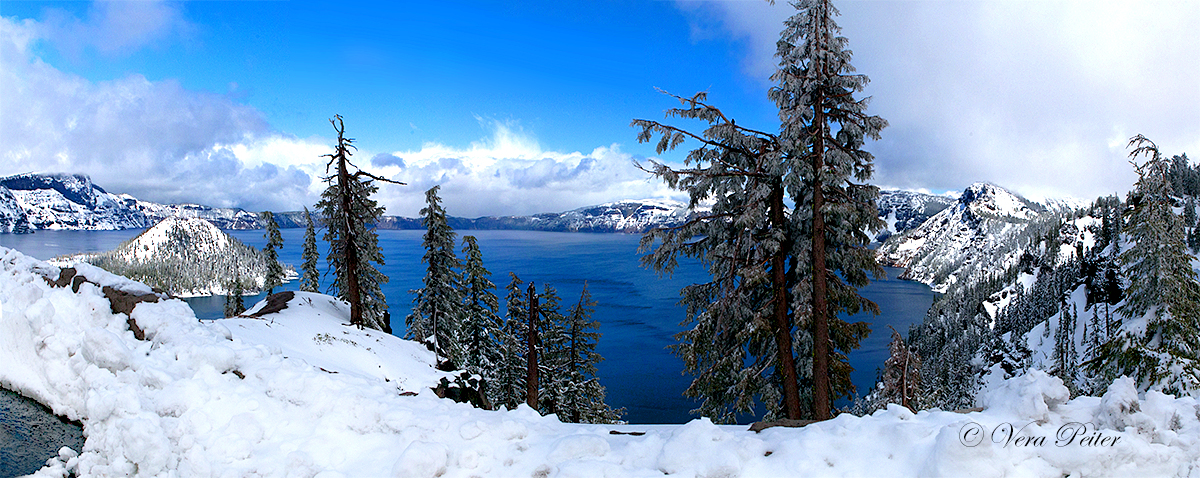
1138	315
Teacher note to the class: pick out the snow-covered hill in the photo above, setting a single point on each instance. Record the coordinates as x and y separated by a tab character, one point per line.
979	234
73	202
199	398
186	257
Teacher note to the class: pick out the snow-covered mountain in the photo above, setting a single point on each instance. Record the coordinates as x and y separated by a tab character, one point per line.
184	256
904	210
73	202
979	234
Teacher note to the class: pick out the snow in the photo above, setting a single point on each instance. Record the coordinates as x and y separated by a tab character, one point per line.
261	397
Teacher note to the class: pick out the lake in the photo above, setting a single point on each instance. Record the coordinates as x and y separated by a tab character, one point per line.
637	309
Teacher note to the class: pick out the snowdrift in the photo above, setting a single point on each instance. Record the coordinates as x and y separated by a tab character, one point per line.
298	393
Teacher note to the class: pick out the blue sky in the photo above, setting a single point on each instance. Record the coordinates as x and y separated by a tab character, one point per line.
520	107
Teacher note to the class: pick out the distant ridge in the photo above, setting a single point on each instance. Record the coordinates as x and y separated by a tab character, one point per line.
31	202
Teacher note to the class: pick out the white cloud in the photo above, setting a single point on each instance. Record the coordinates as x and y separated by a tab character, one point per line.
114	27
1035	96
155	140
510	174
161	142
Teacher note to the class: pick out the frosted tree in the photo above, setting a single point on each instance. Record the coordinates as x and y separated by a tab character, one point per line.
274	277
901	374
822	136
784	205
481	325
437	313
234	305
350	214
739	326
310	279
1159	340
509	388
582	399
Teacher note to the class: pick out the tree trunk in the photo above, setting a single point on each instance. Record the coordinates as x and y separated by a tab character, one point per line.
351	248
783	326
821	389
531	338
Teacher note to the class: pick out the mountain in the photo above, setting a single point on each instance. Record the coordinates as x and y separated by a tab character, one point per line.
30	202
979	233
186	257
904	210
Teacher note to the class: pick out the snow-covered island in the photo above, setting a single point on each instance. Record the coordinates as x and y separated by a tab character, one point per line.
185	257
300	393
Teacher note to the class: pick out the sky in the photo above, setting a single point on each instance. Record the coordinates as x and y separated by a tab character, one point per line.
520	107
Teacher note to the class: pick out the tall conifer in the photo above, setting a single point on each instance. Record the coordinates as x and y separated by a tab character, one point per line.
437	313
1158	343
481	328
350	214
274	276
310	279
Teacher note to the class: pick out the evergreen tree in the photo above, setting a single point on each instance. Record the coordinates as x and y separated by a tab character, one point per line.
349	214
482	324
901	374
1159	341
814	92
310	280
274	276
234	305
583	397
438	314
509	388
765	303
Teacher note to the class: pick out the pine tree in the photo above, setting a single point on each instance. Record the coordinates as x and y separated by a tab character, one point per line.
815	91
1159	341
274	277
349	214
509	388
901	374
582	400
481	325
765	304
234	305
310	280
739	330
437	315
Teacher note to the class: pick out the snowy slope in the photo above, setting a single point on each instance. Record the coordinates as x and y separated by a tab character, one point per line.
978	234
207	399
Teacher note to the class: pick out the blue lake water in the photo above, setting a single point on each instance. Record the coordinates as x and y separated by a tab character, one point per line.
637	309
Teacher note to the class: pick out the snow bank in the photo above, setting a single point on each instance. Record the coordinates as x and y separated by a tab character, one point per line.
248	397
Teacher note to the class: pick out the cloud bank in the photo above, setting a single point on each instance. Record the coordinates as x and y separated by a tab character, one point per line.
161	142
509	174
1036	96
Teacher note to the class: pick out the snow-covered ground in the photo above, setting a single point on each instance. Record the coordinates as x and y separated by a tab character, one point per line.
299	393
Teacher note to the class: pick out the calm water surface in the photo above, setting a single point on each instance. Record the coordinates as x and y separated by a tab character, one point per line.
637	310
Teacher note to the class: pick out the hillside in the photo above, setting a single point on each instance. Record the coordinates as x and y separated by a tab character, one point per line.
186	257
978	234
